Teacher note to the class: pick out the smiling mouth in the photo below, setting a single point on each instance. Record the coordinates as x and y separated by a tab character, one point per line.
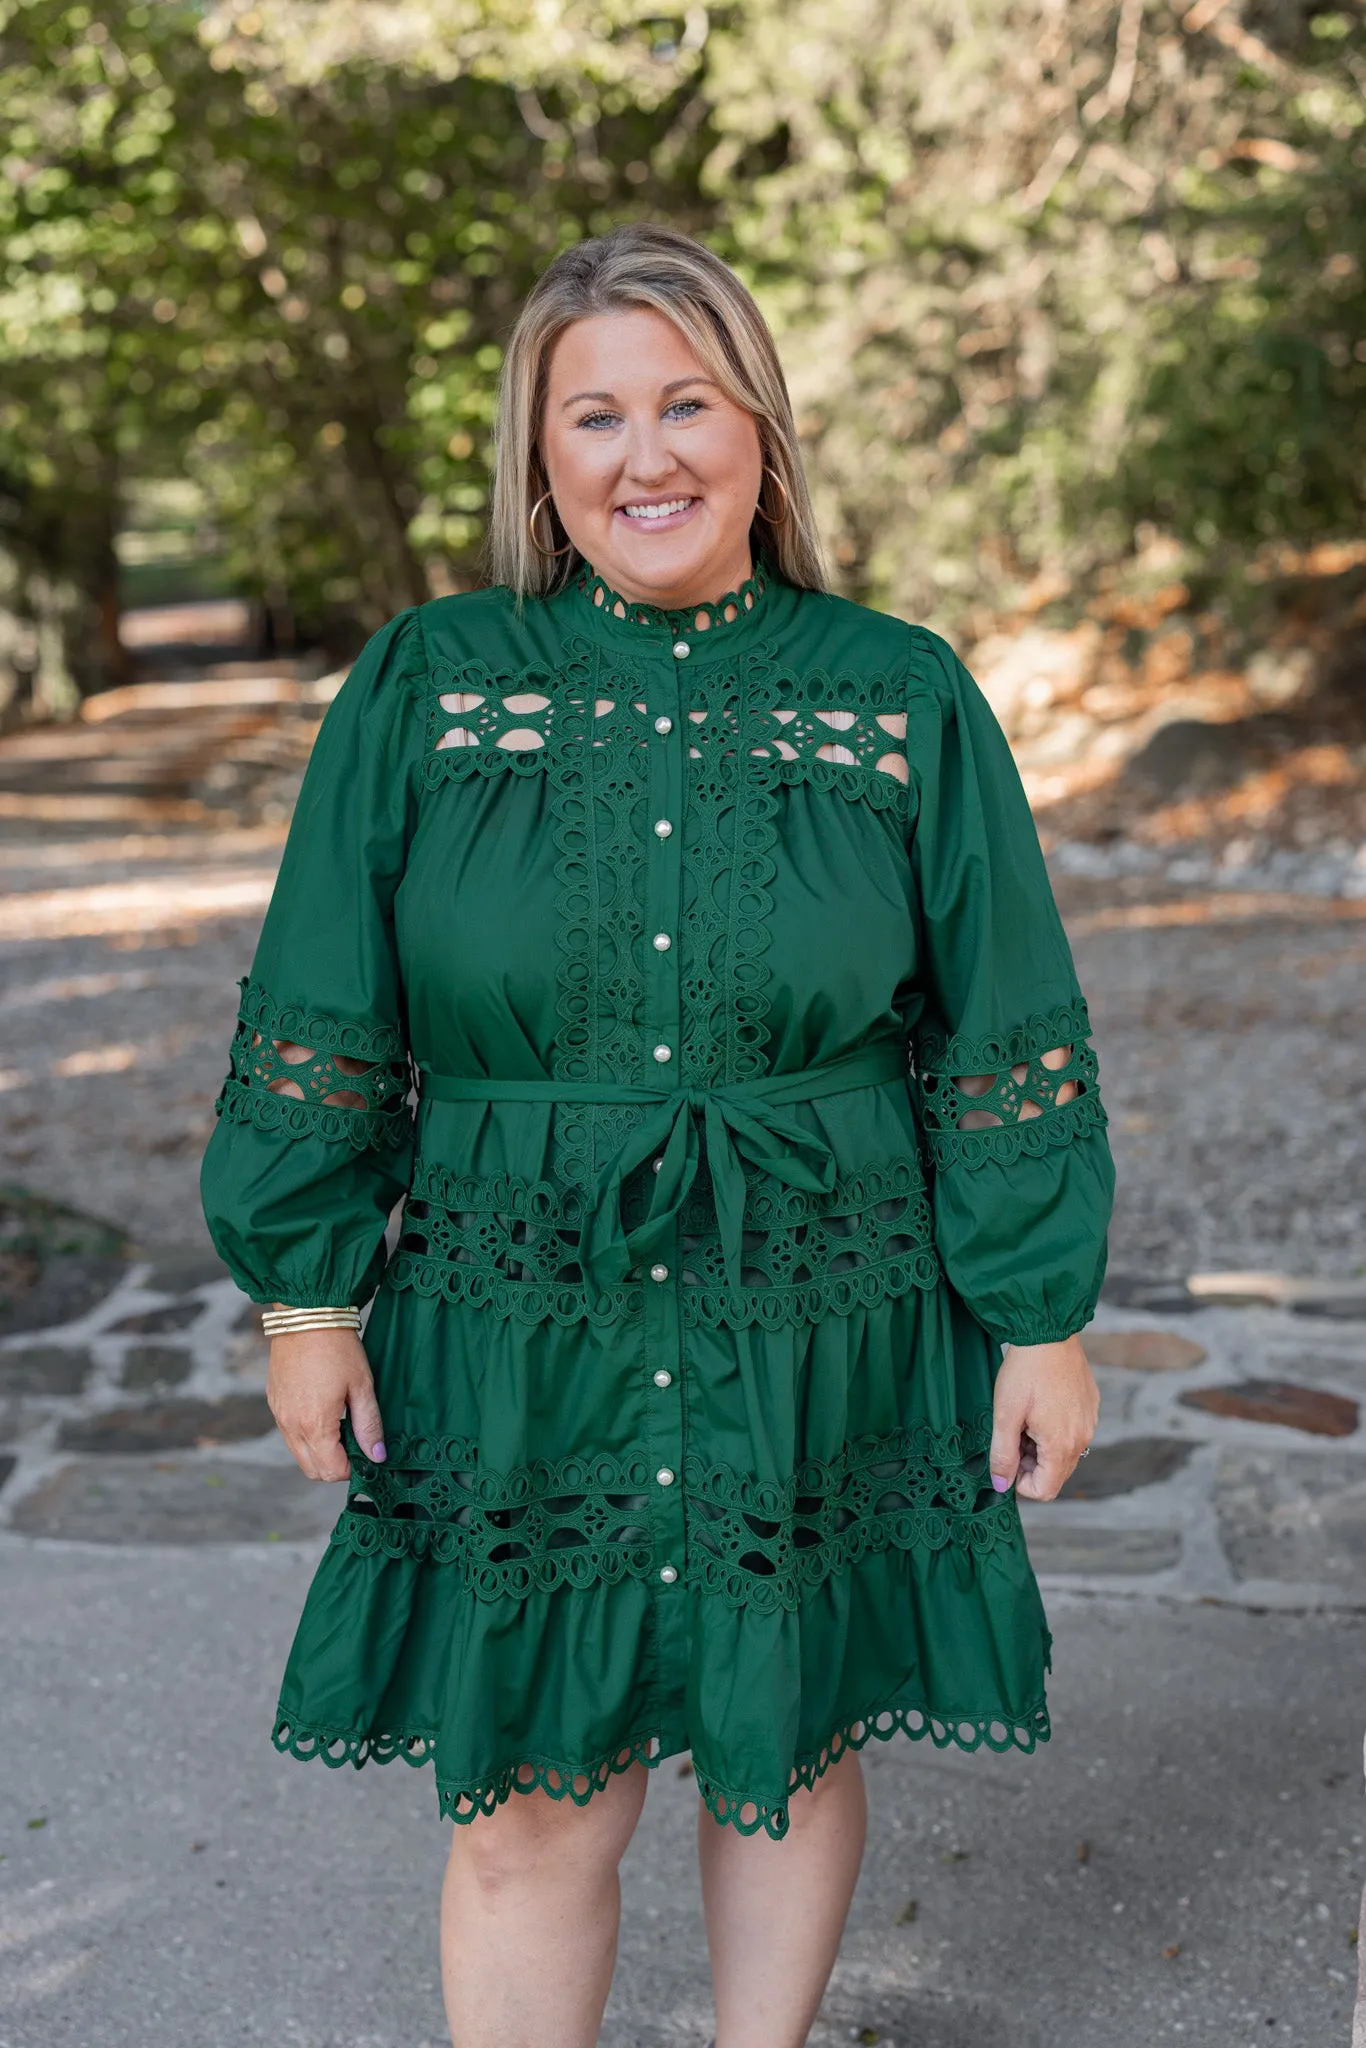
646	515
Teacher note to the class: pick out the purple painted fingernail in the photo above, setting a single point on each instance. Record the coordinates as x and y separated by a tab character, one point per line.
377	1452
1001	1485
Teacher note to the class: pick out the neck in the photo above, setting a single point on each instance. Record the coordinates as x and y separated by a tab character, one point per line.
677	597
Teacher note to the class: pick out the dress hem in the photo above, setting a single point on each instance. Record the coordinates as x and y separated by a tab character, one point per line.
580	1781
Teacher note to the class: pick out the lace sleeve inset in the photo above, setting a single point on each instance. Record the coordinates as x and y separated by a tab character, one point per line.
307	1074
1009	1097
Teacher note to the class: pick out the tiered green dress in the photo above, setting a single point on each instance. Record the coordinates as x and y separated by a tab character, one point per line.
683	925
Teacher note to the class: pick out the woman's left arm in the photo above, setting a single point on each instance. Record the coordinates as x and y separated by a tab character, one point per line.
1023	1179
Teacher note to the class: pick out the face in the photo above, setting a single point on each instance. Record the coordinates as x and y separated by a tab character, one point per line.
654	472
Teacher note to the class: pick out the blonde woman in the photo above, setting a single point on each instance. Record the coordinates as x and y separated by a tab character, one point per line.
755	1195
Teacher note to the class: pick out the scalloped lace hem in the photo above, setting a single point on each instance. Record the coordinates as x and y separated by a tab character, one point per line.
560	1778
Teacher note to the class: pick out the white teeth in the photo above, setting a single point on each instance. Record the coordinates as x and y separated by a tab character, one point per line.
656	511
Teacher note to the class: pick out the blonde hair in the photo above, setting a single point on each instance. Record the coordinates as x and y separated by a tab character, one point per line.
673	275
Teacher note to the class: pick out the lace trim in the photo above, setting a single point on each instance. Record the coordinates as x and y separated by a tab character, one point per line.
631	611
1064	1124
583	1521
512	1245
352	1087
939	1054
562	1779
1026	1117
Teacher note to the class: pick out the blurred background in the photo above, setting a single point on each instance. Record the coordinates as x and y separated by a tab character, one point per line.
1072	300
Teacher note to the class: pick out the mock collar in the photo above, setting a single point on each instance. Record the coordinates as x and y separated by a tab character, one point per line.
592	601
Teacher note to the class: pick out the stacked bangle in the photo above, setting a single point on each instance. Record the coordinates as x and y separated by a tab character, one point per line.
281	1322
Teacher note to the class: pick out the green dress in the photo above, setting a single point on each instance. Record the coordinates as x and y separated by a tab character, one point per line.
683	925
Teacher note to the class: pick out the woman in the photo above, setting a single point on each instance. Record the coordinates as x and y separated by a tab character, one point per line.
661	865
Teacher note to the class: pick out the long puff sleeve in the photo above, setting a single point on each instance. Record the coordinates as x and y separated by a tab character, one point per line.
1023	1179
313	1140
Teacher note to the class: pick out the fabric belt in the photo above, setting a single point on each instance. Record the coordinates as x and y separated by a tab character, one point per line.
741	1120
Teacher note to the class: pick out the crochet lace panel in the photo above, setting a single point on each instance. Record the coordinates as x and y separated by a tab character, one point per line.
298	1071
753	1544
512	1245
1012	1096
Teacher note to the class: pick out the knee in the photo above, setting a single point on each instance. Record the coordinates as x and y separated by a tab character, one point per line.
534	1842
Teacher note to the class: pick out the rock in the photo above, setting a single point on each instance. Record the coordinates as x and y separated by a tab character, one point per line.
55	1264
1294	1516
182	1269
1186	756
66	1287
168	1426
7	1465
45	1369
1279	1401
1136	1461
146	1366
1144	1350
1154	1296
151	1322
184	1500
1344	1308
1104	1553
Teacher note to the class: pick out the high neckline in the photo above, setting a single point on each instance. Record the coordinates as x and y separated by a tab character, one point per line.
714	618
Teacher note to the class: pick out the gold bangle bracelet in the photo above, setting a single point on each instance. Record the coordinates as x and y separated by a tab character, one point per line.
278	1322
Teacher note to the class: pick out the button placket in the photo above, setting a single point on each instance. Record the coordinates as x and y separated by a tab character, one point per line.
662	1363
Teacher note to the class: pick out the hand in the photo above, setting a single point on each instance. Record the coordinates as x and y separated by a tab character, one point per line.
314	1376
1045	1408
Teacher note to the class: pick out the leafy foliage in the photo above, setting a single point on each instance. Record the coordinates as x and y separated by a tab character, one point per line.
1049	276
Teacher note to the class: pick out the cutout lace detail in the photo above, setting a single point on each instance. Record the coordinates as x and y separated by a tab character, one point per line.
842	734
754	1544
562	1778
299	1071
689	619
1013	1111
512	1245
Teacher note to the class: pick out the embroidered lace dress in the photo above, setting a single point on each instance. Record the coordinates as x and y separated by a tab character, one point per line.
695	980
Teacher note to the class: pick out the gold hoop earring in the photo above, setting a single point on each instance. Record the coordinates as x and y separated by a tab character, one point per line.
550	553
781	518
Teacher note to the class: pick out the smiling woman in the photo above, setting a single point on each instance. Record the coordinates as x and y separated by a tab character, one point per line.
756	1118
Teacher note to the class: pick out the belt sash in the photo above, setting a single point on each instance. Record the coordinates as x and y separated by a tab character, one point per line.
742	1120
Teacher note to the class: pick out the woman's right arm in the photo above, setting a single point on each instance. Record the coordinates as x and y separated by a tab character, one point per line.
313	1141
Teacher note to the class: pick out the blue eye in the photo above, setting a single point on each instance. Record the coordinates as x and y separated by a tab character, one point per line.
687	406
595	419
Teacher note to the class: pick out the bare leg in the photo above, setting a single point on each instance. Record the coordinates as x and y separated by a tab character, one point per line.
529	1916
776	1910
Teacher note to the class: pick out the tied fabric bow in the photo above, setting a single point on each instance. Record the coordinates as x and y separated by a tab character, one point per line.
763	1136
741	1121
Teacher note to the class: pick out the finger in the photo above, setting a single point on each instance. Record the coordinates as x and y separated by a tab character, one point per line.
1046	1481
1007	1428
365	1417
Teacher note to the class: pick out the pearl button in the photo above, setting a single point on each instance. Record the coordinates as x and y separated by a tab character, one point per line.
668	1573
662	942
681	650
662	1053
664	725
657	1163
659	1272
664	1476
662	828
663	1379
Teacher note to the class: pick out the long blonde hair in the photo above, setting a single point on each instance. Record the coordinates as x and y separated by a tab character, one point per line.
673	275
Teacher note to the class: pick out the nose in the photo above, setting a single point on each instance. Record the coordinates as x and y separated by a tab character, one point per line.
649	459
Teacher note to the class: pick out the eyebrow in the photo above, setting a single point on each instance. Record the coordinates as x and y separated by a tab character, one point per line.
609	397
